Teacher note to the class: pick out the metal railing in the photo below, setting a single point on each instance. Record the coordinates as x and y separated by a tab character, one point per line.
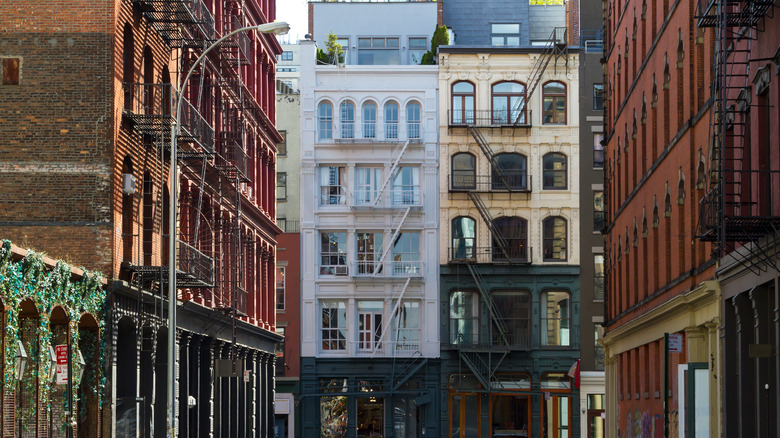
489	118
333	195
413	130
515	254
391	129
335	270
406	196
195	264
179	20
240	41
467	181
515	341
242	300
233	152
388	268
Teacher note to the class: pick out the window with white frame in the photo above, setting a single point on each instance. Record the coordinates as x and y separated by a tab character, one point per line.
378	51
391	120
333	253
369	325
406	253
413	120
406	186
347	116
333	325
368	180
369	252
325	121
333	185
369	120
417	48
286	56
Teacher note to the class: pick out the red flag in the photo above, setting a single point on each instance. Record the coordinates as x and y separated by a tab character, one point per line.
574	373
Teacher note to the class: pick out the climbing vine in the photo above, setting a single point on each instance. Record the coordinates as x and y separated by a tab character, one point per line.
31	279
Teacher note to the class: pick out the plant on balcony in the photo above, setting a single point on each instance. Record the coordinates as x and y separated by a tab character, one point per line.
440	38
333	52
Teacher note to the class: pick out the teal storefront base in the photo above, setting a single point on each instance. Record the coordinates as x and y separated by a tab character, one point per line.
355	397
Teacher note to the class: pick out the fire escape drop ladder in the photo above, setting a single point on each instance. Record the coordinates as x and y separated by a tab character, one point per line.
389	244
390	174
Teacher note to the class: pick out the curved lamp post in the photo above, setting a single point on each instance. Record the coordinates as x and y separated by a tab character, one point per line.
278	28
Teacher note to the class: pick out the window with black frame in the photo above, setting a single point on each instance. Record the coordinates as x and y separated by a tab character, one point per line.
554	171
464	171
514	309
554	237
514	231
511	173
464	238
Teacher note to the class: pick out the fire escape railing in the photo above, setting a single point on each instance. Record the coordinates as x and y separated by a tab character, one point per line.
179	22
235	50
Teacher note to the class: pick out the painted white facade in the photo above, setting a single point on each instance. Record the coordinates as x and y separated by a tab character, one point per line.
335	158
288	66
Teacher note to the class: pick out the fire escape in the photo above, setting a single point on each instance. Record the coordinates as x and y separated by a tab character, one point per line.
483	356
737	209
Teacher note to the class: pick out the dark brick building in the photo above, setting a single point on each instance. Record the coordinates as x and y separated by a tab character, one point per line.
86	104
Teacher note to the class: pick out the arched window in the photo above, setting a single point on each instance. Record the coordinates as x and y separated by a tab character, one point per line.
464	238
128	190
413	120
148	219
511	173
347	115
555	318
149	86
325	120
462	103
513	231
554	175
464	318
508	103
464	171
554	232
554	99
369	120
128	69
514	309
391	120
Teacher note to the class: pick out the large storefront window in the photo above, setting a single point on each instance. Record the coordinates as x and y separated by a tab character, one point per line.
556	405
333	409
464	406
370	417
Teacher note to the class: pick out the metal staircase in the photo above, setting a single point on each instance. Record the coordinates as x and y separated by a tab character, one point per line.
180	22
735	212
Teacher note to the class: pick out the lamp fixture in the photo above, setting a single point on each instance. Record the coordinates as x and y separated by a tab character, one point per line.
21	360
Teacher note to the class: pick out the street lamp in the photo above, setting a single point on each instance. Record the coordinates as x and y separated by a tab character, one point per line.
277	28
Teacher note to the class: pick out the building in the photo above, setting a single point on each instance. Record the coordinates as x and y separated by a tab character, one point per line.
87	100
509	195
663	359
740	214
288	251
369	288
288	66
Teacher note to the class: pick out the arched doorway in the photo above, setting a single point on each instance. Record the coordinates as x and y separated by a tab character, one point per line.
89	386
27	388
126	386
58	324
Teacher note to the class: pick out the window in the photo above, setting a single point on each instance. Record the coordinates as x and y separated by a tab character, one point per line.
554	171
417	48
333	409
554	102
279	350
281	186
369	120
344	43
391	120
325	121
464	318
464	174
513	240
514	309
369	325
508	103
554	230
406	254
406	326
598	97
280	270
511	174
598	150
599	215
463	238
281	148
10	71
369	252
598	277
367	183
334	325
413	120
555	318
406	186
286	56
333	187
347	114
378	51
333	253
505	34
462	103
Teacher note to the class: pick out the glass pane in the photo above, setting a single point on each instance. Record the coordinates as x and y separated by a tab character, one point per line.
392	42
333	410
554	88
370	417
417	43
378	57
510	416
472	419
364	42
378	42
455	416
463	87
512	41
505	28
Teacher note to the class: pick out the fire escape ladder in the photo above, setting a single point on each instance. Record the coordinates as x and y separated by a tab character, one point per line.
389	244
498	238
556	48
484	366
391	173
733	212
399	298
179	21
501	339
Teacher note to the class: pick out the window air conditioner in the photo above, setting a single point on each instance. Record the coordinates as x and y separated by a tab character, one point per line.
128	184
341	270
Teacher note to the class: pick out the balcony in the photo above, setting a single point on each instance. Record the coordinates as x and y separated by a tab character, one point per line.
513	254
349	131
194	269
179	21
235	50
388	269
150	108
745	217
233	159
241	305
513	181
489	118
400	347
489	342
400	197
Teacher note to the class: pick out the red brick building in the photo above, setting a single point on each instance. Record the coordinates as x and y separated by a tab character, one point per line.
658	71
86	102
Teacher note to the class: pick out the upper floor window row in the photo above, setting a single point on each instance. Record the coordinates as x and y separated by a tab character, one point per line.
349	127
509	171
508	104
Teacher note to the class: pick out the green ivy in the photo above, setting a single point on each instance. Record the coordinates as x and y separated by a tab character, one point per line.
30	279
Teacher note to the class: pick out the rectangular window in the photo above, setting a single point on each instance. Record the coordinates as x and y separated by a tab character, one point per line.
344	43
281	147
281	186
369	325
334	325
333	408
406	254
286	56
598	277
406	186
279	350
599	215
598	350
333	253
369	252
368	180
10	71
280	271
505	34
406	327
555	318
598	150
417	48
378	51
333	189
598	97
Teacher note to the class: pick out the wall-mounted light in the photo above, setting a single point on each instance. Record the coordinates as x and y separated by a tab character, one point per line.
21	360
52	364
81	363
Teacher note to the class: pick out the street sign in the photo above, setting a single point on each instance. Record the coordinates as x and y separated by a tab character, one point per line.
62	364
246	375
675	343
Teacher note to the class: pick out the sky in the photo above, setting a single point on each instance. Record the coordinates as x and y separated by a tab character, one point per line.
295	13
